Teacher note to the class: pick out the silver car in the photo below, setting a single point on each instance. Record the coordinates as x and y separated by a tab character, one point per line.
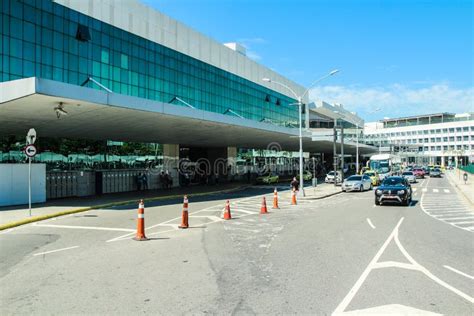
357	183
410	176
330	177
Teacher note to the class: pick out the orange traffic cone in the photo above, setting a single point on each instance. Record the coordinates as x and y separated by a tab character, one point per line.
184	218
227	210
275	199
141	222
293	197
263	208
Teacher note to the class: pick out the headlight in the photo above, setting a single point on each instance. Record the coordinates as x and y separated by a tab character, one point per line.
400	191
378	191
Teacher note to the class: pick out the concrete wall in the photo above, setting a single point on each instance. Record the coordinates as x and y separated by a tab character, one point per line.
14	184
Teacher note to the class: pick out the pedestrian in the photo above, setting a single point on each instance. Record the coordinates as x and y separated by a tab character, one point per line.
163	179
139	181
295	184
144	181
169	180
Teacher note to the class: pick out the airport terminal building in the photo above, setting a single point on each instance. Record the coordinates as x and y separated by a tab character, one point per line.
93	77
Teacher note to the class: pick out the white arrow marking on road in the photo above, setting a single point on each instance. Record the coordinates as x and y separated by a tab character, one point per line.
413	265
459	272
62	249
370	223
392	309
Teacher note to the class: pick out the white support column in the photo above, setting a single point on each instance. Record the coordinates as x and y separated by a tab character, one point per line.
171	161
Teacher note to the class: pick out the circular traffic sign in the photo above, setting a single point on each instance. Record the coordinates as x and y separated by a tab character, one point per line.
31	151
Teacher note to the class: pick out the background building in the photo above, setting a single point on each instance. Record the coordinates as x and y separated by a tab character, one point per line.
441	138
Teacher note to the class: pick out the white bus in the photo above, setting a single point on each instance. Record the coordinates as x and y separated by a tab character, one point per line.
385	165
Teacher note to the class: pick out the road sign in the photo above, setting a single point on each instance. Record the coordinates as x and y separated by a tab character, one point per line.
30	151
31	136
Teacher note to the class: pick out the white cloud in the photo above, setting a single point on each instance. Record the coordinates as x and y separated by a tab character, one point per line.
397	99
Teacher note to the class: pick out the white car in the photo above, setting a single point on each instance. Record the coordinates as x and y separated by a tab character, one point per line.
330	177
410	176
357	183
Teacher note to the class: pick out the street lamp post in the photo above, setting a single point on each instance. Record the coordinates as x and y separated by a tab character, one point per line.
300	104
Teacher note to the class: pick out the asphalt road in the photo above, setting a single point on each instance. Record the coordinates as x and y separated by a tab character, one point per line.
339	255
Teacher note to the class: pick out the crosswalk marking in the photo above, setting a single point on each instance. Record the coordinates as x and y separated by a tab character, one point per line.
448	208
414	189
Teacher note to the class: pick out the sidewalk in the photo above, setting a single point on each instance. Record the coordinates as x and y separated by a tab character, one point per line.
12	216
455	177
323	190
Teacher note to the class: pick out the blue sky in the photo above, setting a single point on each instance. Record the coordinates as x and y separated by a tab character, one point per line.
405	57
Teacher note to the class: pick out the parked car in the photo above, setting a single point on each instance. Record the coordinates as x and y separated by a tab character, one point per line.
306	176
394	189
268	178
410	176
357	183
419	173
373	175
330	177
435	173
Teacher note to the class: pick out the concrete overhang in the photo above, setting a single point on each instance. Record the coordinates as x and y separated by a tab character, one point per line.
99	115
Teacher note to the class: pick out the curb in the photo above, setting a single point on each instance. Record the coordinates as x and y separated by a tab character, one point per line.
323	197
84	209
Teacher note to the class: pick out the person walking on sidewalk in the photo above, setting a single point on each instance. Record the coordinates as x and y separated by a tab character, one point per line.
295	184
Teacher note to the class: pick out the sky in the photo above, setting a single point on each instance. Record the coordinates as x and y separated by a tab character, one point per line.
396	57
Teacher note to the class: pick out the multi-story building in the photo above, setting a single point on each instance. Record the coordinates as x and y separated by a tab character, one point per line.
441	138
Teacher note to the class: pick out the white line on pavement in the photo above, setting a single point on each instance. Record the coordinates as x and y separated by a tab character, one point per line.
62	249
435	190
459	272
370	223
424	189
85	227
446	191
345	302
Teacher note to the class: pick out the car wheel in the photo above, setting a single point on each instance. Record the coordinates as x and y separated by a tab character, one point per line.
371	187
377	201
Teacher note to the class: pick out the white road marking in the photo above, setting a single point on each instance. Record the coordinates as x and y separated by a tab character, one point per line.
462	223
457	218
435	190
446	191
345	302
51	251
424	189
459	272
86	227
370	223
379	265
414	189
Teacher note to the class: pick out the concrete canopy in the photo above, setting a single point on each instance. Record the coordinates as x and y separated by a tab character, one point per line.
99	115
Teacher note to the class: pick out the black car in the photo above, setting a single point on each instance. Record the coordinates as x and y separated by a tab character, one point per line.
393	189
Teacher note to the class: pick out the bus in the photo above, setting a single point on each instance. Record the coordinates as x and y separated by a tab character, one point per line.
385	165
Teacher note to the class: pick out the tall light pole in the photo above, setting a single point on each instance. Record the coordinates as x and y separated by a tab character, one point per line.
300	104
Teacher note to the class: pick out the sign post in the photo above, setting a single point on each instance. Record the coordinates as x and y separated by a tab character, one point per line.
30	152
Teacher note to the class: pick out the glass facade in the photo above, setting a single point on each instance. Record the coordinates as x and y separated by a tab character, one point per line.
44	39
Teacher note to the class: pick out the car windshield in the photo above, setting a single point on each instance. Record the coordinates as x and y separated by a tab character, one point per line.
393	181
331	173
370	174
354	178
407	173
436	170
